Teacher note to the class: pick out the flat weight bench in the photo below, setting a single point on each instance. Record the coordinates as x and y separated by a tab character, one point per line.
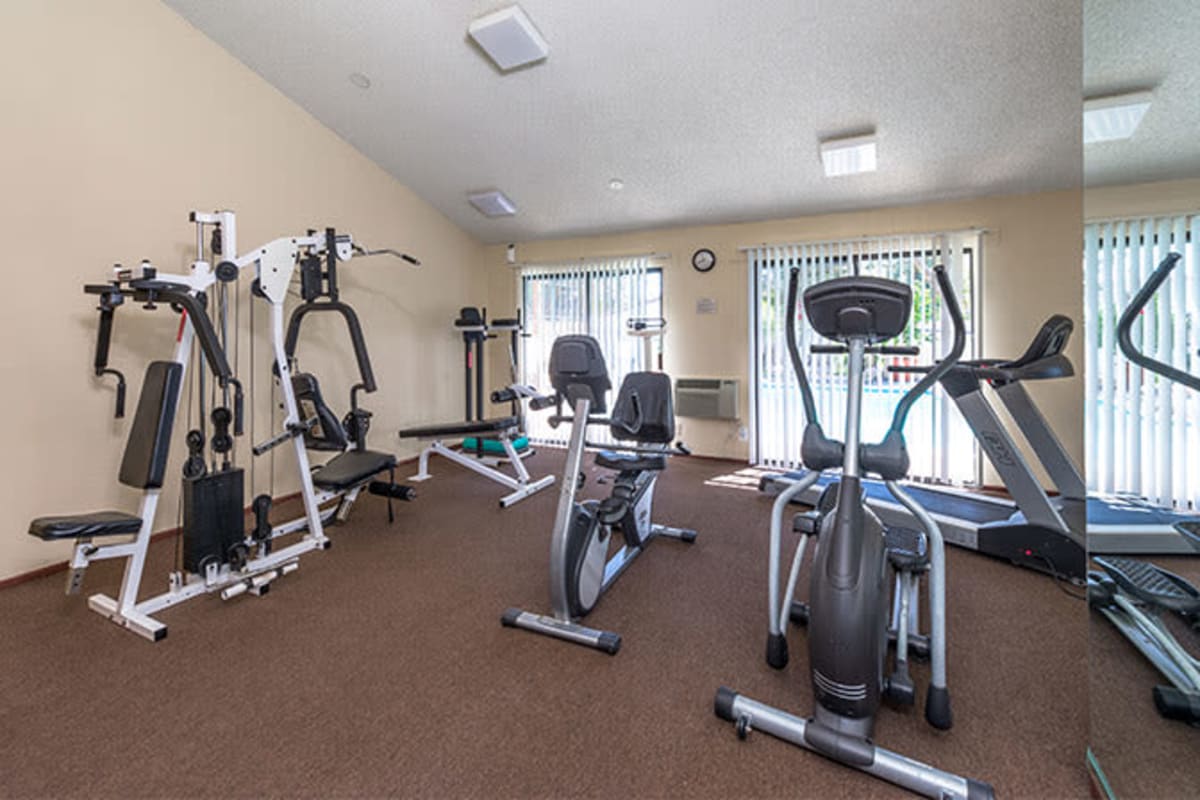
504	429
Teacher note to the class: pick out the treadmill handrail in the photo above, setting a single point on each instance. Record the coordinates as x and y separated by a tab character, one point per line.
946	363
1134	310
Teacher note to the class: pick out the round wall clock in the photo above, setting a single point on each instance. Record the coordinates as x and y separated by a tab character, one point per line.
703	260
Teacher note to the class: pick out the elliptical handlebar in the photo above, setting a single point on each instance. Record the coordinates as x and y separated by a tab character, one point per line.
793	297
946	363
1134	310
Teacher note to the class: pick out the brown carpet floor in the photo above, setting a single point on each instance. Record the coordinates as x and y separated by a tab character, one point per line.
380	668
1142	754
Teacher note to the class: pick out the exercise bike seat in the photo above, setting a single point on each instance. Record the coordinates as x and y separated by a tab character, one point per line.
1152	585
639	462
907	549
82	526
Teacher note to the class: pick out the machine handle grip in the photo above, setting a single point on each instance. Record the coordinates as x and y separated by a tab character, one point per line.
1134	310
793	298
947	362
542	402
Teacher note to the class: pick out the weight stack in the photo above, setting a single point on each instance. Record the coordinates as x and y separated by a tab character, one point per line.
212	518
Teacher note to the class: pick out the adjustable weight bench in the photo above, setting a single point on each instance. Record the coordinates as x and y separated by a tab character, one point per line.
504	429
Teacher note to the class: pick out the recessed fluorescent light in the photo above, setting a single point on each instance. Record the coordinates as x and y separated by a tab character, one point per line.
509	38
848	156
616	184
1106	119
492	203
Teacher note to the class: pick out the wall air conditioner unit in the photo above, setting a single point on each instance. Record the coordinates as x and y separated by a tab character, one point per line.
706	398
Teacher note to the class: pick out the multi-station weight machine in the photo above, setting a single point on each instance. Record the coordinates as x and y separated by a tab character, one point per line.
218	555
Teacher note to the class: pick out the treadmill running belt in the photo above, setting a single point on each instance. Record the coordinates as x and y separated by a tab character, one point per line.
952	504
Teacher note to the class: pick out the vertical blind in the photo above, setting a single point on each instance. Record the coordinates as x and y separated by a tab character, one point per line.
1140	427
940	444
593	298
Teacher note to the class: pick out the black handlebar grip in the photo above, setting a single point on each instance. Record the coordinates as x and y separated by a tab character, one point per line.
103	338
541	402
1134	309
120	412
827	349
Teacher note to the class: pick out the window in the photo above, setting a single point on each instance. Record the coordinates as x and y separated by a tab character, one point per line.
593	298
940	443
1140	427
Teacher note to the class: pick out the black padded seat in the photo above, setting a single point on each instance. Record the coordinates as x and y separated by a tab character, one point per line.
349	469
78	526
907	549
631	461
496	425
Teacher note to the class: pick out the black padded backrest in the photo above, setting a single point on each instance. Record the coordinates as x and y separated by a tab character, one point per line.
328	433
149	443
644	411
874	308
468	317
577	370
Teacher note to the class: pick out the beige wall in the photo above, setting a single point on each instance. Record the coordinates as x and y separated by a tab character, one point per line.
1031	269
1163	197
119	118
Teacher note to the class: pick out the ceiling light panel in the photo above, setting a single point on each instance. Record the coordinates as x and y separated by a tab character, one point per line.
509	38
492	203
849	156
1107	119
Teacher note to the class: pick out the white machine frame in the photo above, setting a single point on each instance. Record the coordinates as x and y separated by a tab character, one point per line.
274	265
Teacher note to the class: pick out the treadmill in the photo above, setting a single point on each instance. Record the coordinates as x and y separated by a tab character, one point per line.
1127	525
1032	529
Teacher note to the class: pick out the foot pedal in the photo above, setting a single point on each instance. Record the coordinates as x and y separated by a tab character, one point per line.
1152	585
807	523
907	549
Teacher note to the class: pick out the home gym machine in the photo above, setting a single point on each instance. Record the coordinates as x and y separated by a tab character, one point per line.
217	554
1136	596
1032	529
848	602
488	443
580	568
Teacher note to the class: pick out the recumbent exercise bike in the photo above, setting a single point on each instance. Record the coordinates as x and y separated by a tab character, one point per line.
580	567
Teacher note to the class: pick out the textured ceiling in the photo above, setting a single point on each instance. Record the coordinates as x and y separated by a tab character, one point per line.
1142	45
708	110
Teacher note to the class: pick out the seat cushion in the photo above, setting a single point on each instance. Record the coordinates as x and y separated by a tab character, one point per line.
349	469
631	461
97	523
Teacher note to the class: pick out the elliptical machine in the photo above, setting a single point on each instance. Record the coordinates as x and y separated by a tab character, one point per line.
1138	596
848	605
580	567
